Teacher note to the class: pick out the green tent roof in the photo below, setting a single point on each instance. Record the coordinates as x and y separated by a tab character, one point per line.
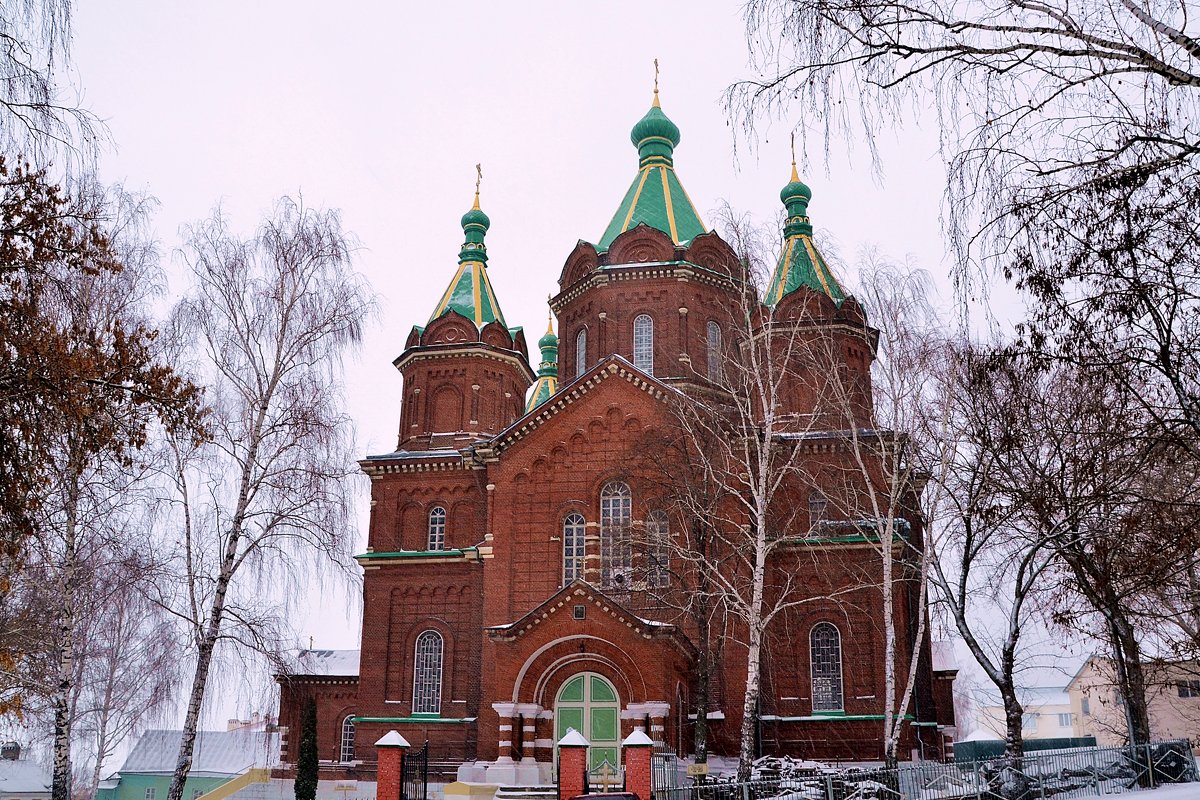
656	197
800	263
547	382
470	292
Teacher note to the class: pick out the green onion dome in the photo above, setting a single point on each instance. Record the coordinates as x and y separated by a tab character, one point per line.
475	224
796	196
549	340
655	135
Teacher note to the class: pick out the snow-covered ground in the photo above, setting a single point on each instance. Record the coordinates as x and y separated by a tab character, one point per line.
1176	791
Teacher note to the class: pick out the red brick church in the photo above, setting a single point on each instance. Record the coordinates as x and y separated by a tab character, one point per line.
509	593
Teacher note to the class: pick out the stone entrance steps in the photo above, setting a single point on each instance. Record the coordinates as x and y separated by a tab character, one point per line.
527	793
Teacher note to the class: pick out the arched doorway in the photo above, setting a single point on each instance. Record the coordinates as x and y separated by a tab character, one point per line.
589	704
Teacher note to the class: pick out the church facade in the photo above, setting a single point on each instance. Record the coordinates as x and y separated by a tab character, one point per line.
527	569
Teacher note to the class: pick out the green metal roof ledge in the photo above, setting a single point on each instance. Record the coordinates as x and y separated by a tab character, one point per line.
656	197
420	719
419	553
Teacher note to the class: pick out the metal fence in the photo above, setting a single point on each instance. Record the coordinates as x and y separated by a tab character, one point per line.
414	782
1064	774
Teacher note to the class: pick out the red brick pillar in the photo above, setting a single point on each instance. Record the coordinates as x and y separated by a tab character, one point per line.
572	765
390	752
636	752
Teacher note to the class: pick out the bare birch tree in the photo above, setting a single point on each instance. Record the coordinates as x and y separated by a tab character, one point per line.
38	118
269	320
878	490
749	451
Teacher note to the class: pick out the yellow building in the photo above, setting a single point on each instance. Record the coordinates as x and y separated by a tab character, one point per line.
1172	693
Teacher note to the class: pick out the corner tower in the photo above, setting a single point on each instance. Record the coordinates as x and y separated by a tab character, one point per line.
465	371
830	346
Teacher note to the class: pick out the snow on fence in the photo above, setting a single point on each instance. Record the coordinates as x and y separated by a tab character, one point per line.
1063	774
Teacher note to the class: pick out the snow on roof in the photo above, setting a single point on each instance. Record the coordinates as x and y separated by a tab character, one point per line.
326	662
24	776
215	752
403	454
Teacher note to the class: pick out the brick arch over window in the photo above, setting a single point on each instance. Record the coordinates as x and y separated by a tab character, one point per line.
445	409
346	740
616	513
643	343
574	531
435	538
428	672
825	659
581	351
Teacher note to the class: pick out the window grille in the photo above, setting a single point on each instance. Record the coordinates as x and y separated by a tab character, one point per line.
347	750
427	674
1064	720
816	512
150	792
573	531
825	644
437	528
616	556
658	549
1029	721
643	343
1188	688
581	352
714	352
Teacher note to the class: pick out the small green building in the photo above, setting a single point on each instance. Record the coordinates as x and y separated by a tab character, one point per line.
218	757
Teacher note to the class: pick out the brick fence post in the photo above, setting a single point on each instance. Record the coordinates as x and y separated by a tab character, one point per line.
572	765
390	752
637	750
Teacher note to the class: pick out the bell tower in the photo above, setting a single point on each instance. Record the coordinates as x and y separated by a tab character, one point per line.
465	371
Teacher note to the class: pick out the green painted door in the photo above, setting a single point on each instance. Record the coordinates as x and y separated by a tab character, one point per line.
588	703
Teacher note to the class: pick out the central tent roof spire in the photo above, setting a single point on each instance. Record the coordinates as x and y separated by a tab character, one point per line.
656	197
470	292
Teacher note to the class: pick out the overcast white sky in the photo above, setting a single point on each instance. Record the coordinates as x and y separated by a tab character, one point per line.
383	109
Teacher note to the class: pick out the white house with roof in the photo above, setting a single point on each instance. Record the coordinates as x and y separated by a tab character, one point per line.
20	778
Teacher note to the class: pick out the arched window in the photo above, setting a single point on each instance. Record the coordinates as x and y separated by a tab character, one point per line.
427	674
658	549
616	556
437	528
643	343
825	646
714	352
347	749
816	512
573	531
581	364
